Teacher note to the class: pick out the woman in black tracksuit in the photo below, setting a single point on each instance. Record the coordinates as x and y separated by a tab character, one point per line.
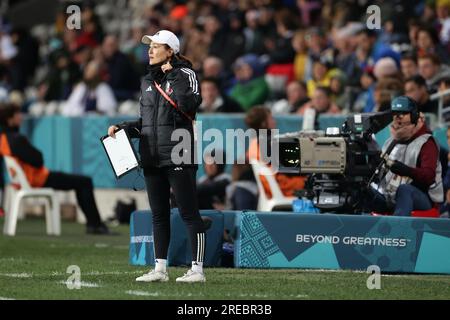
161	113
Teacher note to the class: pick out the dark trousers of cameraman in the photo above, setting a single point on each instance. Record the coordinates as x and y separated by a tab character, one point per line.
182	181
407	198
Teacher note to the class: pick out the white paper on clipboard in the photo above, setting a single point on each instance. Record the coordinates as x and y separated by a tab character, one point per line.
120	153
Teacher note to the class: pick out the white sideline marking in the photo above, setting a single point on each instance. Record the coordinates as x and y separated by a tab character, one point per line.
101	245
122	247
156	294
16	275
4	298
142	293
96	273
82	284
256	295
11	259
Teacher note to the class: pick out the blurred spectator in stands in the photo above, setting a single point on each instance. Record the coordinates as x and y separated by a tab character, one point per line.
196	45
69	38
211	188
310	11
81	56
443	14
212	67
385	90
431	69
213	100
386	67
338	81
234	40
369	51
301	59
215	36
428	15
90	23
345	59
254	40
389	33
8	51
428	43
91	95
259	118
414	26
280	69
91	34
317	44
409	66
251	87
416	89
365	99
280	47
267	22
321	103
25	62
5	86
320	76
136	50
444	85
17	98
121	76
296	96
63	74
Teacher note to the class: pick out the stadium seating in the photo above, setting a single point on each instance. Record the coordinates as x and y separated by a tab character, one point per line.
278	200
24	190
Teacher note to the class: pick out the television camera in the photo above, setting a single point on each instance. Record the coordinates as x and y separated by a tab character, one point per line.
340	163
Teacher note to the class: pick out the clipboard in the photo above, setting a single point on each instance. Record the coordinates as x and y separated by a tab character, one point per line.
120	152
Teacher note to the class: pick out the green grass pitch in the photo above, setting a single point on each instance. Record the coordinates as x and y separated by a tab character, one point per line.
34	265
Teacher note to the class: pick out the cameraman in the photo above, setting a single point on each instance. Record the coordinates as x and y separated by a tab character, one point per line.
413	180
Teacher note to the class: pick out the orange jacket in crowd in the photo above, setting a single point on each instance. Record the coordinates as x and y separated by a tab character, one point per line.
16	145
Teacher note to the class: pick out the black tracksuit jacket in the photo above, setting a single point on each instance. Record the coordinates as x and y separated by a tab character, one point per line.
158	118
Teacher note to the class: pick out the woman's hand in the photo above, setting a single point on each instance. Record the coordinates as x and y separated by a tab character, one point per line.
112	131
166	67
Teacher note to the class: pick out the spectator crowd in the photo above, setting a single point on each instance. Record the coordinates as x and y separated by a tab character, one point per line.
287	55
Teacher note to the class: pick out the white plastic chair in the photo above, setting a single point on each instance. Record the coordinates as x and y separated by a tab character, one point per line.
279	200
17	177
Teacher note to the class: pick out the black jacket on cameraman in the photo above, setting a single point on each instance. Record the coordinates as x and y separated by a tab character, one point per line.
158	118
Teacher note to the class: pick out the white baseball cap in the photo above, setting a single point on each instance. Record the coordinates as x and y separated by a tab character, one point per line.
163	37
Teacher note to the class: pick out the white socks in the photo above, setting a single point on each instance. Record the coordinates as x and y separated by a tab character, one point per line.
197	266
160	265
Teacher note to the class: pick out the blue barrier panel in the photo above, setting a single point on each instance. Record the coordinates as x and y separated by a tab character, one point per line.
327	241
141	240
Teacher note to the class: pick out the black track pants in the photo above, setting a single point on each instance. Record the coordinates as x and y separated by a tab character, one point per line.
182	181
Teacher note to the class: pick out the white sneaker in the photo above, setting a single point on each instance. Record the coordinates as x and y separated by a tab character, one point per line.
192	276
154	276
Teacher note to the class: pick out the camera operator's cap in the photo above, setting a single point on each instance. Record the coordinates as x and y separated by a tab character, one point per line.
163	37
403	104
